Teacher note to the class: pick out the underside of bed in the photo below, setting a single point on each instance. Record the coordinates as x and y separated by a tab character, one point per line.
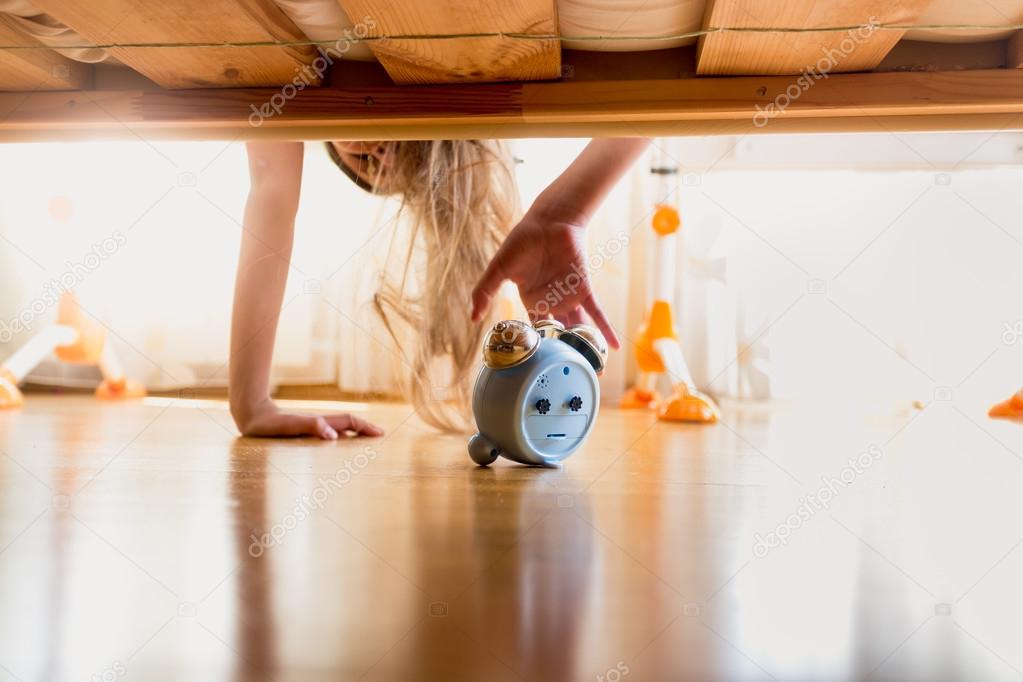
371	69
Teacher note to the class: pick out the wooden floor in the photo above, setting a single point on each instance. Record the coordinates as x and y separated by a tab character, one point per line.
146	542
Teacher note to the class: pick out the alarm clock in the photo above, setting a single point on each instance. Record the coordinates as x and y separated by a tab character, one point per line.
537	395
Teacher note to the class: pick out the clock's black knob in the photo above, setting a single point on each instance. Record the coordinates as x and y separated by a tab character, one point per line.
543	406
575	404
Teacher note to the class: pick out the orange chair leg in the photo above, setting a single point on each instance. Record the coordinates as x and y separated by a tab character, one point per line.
643	395
1009	409
687	405
10	394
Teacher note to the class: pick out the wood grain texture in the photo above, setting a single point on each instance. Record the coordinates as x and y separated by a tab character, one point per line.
1014	51
125	21
896	101
37	69
915	55
150	538
791	53
460	60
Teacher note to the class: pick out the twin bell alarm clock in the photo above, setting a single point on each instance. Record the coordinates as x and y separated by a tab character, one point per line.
537	395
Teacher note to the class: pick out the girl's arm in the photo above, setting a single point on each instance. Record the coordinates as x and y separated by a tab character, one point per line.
275	170
545	255
581	189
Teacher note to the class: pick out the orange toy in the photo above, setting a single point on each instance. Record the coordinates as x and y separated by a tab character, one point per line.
1009	409
658	350
74	339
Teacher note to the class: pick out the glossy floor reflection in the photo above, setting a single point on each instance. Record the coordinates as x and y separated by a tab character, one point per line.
146	542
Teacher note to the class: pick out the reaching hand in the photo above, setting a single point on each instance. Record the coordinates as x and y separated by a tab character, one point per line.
546	258
268	421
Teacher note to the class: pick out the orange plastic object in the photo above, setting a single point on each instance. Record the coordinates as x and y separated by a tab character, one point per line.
658	326
686	406
666	220
1008	409
120	389
636	398
10	394
89	345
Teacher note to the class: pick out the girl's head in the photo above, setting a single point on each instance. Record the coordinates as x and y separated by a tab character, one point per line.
460	201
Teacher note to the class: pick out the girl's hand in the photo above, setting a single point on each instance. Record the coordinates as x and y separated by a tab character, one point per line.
268	421
545	255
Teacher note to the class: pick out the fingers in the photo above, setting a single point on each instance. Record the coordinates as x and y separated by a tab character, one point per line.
572	317
600	319
342	423
291	425
320	428
487	287
328	427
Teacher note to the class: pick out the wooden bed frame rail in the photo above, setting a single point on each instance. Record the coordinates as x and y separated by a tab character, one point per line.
989	99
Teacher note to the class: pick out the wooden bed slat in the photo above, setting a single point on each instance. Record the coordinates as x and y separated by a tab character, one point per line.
470	59
732	53
192	21
875	102
30	70
1014	51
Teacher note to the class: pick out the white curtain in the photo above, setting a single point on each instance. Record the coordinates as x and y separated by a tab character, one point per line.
165	294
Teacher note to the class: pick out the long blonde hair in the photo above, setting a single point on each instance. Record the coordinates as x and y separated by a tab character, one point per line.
461	201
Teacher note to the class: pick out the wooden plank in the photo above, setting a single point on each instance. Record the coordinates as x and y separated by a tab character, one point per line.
896	101
916	55
671	63
791	53
1014	51
467	59
36	69
192	21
